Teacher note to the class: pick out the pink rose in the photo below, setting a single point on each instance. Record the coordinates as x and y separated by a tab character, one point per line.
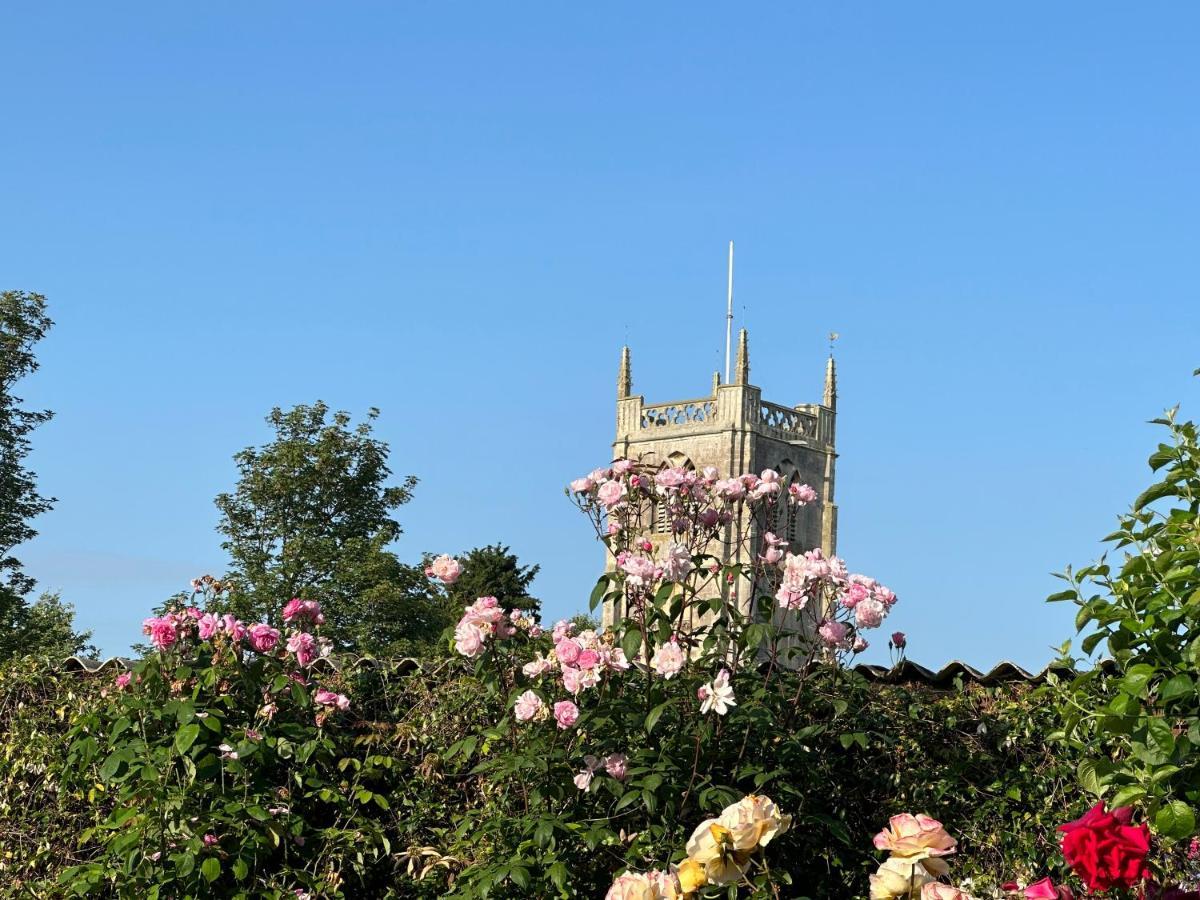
802	493
935	890
446	568
869	614
208	626
916	837
588	659
469	639
572	679
582	485
123	680
617	766
330	698
161	631
835	635
263	638
528	706
621	466
562	629
234	627
567	651
303	645
303	609
668	659
1047	890
611	494
566	714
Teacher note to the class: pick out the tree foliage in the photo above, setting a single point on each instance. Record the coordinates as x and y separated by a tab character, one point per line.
1137	717
495	571
311	517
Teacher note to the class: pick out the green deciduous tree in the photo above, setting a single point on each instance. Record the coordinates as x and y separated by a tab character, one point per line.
311	517
495	571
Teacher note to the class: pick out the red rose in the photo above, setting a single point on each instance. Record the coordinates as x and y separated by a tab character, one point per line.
1105	850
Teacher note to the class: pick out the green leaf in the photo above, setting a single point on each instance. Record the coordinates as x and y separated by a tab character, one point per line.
655	714
1175	820
186	736
598	592
1160	736
211	869
632	643
1155	492
1089	777
1179	686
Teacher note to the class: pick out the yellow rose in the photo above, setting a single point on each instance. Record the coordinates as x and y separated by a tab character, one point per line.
724	852
899	879
691	876
758	812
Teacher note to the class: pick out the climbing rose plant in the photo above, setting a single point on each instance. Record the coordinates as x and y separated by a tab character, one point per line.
199	747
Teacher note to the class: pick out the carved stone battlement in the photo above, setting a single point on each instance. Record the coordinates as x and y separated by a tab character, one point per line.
682	412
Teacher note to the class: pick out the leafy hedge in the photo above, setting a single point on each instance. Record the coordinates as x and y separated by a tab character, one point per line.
856	752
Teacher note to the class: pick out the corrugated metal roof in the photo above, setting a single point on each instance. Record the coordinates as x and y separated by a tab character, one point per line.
907	672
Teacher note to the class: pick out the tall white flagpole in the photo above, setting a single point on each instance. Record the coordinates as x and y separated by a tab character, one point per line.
729	314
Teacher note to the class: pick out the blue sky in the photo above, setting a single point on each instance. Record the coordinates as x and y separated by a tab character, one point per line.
459	212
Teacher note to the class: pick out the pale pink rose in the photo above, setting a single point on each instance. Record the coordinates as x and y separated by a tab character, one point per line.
572	679
730	489
935	890
885	596
668	659
635	886
613	659
860	644
331	698
710	474
446	568
869	614
640	571
855	594
538	667
588	660
566	714
208	626
469	639
621	466
124	679
709	517
303	645
304	610
562	629
161	630
835	635
234	627
915	837
567	651
210	840
528	706
669	479
263	638
802	493
613	528
583	780
617	766
582	485
899	640
611	494
677	563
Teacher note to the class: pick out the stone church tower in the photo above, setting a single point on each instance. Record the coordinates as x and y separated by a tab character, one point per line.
737	431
